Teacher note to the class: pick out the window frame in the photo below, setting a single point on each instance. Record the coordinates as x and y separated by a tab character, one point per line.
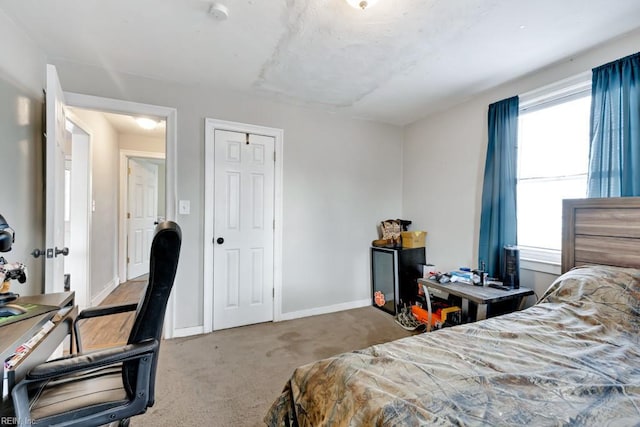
543	259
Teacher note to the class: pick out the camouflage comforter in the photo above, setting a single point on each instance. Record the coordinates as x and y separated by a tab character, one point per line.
571	359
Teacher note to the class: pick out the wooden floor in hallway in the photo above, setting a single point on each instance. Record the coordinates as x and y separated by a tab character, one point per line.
113	330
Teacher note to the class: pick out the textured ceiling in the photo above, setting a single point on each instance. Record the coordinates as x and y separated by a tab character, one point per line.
395	62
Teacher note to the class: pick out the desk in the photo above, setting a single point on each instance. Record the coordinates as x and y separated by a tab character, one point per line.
17	333
481	295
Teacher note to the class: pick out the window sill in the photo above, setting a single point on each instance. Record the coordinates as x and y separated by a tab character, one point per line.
540	260
540	266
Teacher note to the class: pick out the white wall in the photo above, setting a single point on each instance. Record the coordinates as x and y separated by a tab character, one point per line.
22	72
21	61
341	177
444	157
104	188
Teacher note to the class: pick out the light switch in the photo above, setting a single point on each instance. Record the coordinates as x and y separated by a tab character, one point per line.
184	207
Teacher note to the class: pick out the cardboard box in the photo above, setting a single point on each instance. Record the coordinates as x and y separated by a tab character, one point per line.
413	239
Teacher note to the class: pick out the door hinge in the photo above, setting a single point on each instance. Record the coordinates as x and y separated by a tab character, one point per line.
273	294
129	170
127	260
128	215
274	156
274	224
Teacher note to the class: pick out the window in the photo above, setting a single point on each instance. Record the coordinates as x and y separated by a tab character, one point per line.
553	155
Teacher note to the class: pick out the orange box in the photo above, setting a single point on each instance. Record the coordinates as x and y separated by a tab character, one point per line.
422	316
413	239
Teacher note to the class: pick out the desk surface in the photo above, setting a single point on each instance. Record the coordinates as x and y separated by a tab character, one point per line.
477	294
15	334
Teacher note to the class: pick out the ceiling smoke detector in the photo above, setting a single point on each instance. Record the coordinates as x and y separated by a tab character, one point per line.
219	11
361	4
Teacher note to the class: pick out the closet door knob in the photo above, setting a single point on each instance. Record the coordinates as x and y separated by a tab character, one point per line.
220	240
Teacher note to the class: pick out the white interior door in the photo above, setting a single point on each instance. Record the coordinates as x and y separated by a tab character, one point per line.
243	229
142	215
54	183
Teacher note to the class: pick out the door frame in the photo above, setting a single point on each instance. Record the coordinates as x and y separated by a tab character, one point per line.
98	103
211	125
82	213
125	155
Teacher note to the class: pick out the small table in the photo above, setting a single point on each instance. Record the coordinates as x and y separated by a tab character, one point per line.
481	295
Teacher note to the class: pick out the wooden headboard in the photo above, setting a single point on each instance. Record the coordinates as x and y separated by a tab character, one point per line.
601	231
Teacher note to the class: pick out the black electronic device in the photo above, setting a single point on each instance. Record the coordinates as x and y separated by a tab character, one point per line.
7	235
499	286
7	297
511	267
9	271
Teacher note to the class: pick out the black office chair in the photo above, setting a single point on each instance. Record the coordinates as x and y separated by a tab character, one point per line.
106	386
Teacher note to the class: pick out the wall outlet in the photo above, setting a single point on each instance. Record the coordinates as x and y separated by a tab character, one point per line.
184	207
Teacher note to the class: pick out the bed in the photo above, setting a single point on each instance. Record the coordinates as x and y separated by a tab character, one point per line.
571	359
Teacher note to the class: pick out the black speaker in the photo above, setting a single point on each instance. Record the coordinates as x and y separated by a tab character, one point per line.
511	267
7	236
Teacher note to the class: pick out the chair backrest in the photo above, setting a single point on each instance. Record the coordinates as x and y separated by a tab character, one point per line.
163	262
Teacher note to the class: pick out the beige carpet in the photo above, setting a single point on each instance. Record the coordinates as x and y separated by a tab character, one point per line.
231	377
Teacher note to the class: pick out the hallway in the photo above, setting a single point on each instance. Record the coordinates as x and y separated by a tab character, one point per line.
113	330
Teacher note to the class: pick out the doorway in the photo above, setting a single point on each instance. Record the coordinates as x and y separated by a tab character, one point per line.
142	206
113	134
169	115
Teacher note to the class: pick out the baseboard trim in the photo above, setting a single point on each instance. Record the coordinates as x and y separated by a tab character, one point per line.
325	310
198	330
187	332
105	291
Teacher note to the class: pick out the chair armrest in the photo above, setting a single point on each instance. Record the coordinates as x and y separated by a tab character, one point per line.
92	312
98	359
106	310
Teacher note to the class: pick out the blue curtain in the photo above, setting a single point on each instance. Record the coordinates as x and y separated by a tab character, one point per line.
614	153
498	216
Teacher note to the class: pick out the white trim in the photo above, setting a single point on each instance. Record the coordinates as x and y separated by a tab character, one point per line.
539	259
326	309
105	292
558	91
171	116
124	203
278	134
540	266
549	256
187	332
83	292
